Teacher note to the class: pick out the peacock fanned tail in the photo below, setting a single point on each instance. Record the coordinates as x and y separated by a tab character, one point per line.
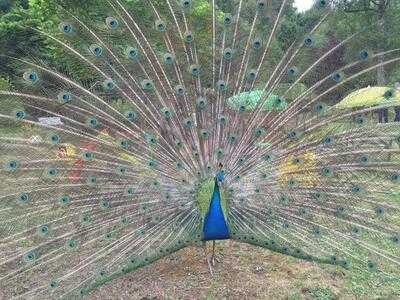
121	172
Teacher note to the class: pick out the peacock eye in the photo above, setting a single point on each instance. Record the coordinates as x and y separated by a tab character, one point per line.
23	197
292	134
51	172
359	119
112	23
108	84
223	120
221	85
364	54
364	159
186	3
328	140
308	41
204	134
96	50
261	4
160	26
132	53
252	75
292	71
395	177
388	94
180	91
337	76
326	171
227	19
65	28
257	44
92	180
188	37
201	103
65	200
228	54
20	114
195	70
30	256
322	3
31	77
168	58
131	115
44	229
148	85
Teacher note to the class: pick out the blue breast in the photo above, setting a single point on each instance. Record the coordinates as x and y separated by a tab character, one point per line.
215	227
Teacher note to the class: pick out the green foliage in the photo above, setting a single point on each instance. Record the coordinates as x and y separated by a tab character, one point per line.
373	34
247	101
369	97
19	40
321	293
293	93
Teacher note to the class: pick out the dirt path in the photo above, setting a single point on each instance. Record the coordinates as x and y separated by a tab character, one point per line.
244	272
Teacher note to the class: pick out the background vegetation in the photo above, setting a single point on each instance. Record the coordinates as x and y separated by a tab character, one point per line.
378	19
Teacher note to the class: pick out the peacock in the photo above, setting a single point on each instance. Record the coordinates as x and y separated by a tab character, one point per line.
187	121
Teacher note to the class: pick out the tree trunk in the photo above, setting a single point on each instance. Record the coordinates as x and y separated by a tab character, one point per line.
382	5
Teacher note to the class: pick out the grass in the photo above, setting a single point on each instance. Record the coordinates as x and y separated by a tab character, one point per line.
368	97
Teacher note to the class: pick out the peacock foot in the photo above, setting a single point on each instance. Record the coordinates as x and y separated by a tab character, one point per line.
215	260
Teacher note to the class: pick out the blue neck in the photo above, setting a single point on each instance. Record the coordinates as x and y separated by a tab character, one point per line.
215	227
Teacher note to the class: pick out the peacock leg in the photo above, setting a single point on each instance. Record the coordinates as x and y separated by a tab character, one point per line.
207	258
213	254
214	258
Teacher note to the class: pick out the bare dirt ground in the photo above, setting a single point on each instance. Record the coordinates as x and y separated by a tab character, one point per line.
244	272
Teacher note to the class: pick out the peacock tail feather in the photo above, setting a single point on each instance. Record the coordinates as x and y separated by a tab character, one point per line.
117	187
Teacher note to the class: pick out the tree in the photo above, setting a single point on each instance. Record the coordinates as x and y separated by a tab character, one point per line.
379	8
